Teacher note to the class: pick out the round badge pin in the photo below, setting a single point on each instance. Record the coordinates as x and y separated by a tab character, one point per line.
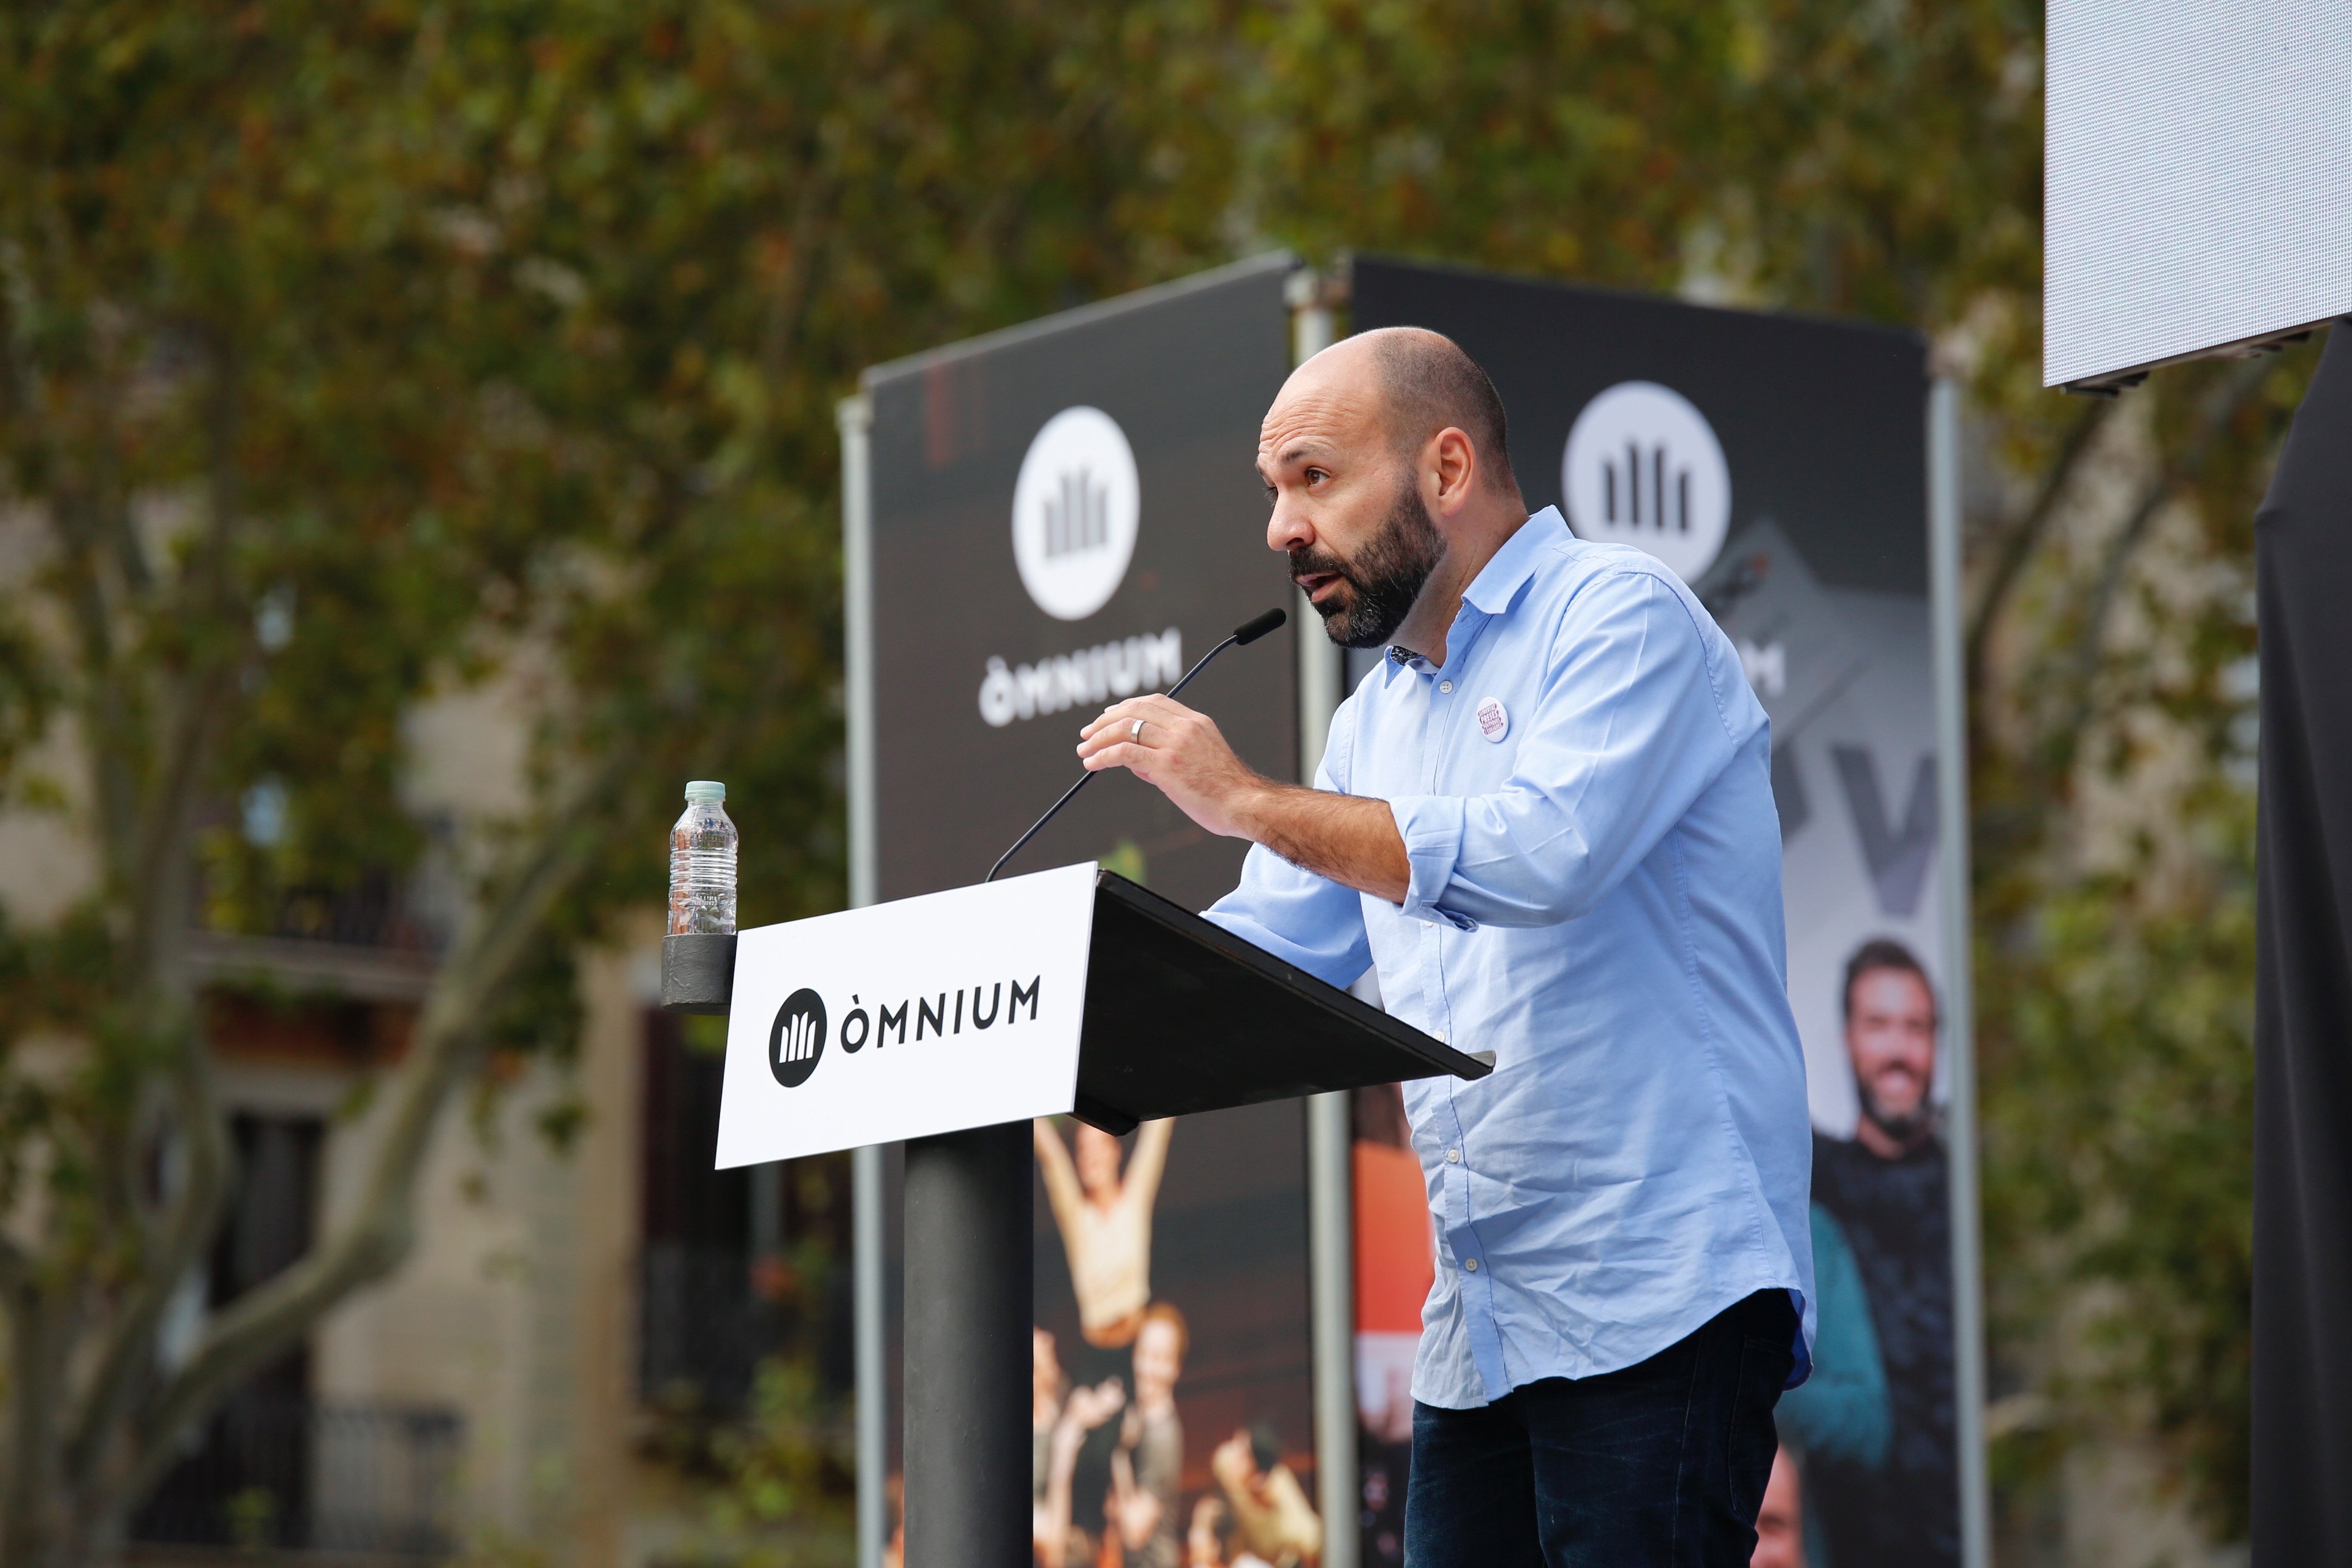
1493	721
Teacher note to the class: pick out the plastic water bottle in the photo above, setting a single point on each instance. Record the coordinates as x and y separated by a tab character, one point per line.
702	864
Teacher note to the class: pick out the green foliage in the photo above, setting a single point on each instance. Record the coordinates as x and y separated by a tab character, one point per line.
1881	160
774	1487
353	357
784	1497
2114	815
2135	1027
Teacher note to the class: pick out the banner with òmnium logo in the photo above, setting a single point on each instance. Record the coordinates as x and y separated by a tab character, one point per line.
1778	466
1643	468
1056	518
899	1020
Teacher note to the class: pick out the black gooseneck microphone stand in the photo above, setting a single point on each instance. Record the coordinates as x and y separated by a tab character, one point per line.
1248	632
970	1250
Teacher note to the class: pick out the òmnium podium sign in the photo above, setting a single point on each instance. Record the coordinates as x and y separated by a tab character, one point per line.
951	1010
1071	991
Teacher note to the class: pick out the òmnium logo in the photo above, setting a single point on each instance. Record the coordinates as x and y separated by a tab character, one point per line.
796	1039
1073	513
1643	467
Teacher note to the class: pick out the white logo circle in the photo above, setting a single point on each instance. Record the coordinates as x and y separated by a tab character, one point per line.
1643	468
1073	513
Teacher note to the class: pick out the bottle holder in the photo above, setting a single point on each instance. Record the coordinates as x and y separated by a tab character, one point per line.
698	973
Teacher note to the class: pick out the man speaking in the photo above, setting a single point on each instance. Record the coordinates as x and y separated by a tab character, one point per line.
1546	819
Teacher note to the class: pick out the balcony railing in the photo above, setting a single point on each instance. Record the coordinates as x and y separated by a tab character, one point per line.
380	910
314	1476
375	940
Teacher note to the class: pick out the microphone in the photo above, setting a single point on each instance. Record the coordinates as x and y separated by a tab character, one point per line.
1248	632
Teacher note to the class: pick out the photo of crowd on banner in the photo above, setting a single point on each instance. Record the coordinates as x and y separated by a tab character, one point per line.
1129	1468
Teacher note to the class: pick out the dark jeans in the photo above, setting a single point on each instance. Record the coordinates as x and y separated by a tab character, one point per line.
1657	1465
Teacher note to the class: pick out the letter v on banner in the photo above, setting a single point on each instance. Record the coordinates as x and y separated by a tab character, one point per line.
1898	858
1019	945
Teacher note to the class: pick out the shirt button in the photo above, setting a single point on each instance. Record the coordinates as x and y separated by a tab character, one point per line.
1446	686
1439	1035
1453	1156
1472	1264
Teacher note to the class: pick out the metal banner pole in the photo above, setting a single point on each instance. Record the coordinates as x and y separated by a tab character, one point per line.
1331	1253
854	418
1332	1262
868	1233
1952	795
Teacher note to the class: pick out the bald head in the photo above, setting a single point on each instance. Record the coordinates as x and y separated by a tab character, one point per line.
1414	382
1427	385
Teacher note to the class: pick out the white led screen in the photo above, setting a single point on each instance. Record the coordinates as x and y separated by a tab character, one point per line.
2199	177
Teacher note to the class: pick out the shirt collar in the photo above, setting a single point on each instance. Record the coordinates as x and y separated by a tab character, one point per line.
1491	592
1500	579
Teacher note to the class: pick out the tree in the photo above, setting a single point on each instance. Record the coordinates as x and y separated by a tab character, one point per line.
351	355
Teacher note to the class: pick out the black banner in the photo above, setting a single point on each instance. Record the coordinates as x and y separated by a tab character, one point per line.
1779	465
1064	514
2303	991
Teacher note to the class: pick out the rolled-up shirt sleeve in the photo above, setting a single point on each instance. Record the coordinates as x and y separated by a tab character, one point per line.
1297	916
1632	725
1431	828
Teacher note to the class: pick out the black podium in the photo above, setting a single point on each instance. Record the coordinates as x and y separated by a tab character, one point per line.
1179	1017
1183	1016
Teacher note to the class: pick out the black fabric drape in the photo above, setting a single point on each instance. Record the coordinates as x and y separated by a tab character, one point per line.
2303	1004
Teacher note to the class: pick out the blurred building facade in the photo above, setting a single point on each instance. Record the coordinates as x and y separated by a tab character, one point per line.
575	1311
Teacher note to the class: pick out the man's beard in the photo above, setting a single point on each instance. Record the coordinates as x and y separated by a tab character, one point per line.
1908	1128
1382	583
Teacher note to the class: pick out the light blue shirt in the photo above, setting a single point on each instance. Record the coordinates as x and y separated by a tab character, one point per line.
1584	793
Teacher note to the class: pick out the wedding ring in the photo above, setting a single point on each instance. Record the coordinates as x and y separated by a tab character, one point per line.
1135	731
